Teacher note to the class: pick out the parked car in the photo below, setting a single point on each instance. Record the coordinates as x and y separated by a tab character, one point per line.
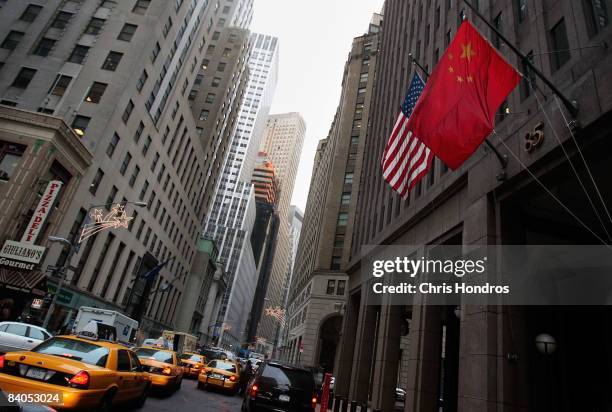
20	336
162	366
279	386
220	374
76	372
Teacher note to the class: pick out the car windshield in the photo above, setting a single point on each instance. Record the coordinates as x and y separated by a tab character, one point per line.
195	358
85	352
224	366
155	354
277	375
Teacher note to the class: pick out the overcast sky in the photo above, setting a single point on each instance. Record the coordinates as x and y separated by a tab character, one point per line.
315	37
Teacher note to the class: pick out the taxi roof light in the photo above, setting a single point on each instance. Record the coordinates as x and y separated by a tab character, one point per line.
80	380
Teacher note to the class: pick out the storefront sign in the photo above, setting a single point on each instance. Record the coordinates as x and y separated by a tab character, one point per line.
16	264
64	296
42	211
24	252
37	303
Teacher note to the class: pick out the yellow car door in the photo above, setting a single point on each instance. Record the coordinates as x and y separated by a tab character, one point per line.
140	380
126	378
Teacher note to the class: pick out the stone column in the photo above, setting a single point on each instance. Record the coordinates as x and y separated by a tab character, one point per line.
344	360
209	314
478	351
387	357
364	349
424	359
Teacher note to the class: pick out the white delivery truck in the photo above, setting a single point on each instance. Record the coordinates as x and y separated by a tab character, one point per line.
180	342
126	327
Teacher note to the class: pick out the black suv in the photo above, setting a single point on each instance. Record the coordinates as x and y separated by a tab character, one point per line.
279	386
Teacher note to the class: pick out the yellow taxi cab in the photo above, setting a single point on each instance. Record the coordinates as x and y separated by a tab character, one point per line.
73	372
192	364
162	366
220	374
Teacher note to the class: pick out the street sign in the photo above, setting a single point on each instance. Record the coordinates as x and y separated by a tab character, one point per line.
64	296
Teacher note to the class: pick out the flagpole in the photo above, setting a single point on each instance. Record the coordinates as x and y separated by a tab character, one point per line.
571	106
417	64
503	159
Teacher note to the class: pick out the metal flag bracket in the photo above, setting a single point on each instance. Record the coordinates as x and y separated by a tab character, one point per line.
503	160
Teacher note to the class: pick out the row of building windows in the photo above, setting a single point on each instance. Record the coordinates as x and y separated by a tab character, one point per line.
596	18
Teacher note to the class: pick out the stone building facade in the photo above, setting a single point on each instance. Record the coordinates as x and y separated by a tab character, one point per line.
476	358
41	164
318	289
119	73
282	141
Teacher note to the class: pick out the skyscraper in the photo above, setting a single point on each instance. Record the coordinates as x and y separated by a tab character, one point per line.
282	141
233	214
296	217
488	357
264	236
319	284
119	72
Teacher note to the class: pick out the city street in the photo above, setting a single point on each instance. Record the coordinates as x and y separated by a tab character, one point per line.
189	397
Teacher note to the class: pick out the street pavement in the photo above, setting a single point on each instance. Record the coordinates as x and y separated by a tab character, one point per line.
190	398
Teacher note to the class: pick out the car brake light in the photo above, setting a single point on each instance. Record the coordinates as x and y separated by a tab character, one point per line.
232	378
1	361
80	380
314	401
167	371
254	390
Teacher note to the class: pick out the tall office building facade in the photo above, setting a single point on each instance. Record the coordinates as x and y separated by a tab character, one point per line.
479	357
282	141
263	238
296	217
119	73
318	288
233	213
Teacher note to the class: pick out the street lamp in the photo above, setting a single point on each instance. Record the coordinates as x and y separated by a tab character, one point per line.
546	344
73	249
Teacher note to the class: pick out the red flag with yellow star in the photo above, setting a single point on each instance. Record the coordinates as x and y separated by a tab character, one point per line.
457	108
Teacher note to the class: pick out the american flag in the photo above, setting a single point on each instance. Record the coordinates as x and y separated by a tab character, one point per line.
406	159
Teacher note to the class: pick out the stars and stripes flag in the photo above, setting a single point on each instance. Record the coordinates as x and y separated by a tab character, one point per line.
406	159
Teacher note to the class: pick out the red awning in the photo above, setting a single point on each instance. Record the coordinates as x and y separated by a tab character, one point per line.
28	282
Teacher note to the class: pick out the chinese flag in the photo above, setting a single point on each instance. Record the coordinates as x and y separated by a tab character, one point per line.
457	108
